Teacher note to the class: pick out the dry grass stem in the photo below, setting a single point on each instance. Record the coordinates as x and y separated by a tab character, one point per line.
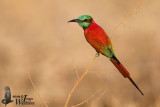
93	103
87	98
44	102
135	10
79	81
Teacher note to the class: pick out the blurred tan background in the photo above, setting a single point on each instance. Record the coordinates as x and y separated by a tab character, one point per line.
35	37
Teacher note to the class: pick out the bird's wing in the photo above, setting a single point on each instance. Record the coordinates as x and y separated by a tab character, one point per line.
7	93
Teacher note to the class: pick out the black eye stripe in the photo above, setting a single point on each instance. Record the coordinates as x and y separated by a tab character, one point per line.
86	20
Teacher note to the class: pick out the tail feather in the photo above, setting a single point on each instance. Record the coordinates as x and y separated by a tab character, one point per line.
135	85
121	68
123	71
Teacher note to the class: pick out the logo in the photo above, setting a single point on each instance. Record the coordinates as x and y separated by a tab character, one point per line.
23	100
7	96
19	99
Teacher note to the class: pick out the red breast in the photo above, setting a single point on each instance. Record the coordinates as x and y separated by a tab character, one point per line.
96	36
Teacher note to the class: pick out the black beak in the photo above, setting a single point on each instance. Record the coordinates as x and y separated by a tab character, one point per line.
75	20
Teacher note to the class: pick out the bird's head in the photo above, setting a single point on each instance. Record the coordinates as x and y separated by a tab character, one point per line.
84	21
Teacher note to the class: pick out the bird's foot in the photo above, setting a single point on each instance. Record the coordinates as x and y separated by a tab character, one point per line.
97	54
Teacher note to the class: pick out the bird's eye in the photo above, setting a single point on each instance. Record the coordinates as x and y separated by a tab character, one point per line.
85	20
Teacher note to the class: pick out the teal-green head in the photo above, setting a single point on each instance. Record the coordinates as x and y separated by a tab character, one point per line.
84	21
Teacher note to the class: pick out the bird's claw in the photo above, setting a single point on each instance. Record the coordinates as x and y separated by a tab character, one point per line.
97	54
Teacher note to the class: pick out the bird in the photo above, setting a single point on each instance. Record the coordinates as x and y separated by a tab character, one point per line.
7	96
100	41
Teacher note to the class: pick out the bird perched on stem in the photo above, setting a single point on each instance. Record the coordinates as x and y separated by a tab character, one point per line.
99	40
7	96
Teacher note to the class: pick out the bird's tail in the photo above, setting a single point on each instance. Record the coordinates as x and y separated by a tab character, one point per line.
123	71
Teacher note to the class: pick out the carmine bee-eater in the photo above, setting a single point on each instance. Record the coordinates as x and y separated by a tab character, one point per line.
99	40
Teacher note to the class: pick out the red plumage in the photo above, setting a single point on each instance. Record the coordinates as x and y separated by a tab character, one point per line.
99	40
